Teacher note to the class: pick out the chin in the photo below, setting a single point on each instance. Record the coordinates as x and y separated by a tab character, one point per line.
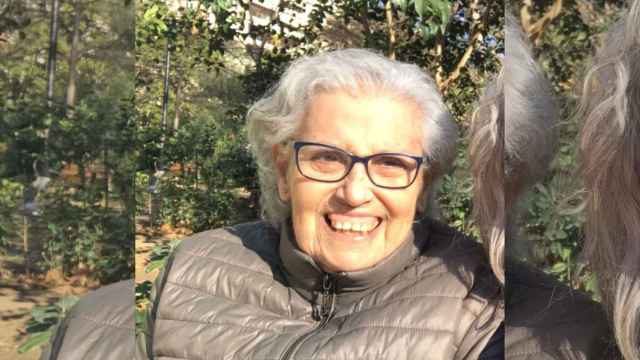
341	250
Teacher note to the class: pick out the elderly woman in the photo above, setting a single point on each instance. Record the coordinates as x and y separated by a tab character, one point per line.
610	154
512	140
349	147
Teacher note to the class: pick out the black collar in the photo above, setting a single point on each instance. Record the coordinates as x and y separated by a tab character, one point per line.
305	275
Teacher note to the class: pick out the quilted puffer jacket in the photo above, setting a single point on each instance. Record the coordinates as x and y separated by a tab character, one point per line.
247	292
547	320
99	326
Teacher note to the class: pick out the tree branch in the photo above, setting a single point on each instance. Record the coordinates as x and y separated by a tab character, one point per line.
462	63
535	29
388	9
476	36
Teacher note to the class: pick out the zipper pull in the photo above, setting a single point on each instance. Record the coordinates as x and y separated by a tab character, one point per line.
328	296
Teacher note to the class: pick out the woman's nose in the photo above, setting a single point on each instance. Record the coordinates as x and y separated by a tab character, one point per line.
356	188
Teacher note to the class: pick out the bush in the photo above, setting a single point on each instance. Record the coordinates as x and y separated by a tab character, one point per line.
10	198
44	322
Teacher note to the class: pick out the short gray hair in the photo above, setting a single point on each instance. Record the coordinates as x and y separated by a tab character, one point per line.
275	118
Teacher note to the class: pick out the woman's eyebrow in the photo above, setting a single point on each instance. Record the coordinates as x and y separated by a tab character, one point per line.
387	149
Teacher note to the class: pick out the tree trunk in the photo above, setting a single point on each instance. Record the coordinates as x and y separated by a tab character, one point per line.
176	105
105	161
51	72
73	60
81	173
165	92
53	44
388	9
25	244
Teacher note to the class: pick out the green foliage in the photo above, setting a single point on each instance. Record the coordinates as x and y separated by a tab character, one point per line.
455	196
91	237
143	294
86	212
435	15
159	254
552	221
196	208
44	321
10	194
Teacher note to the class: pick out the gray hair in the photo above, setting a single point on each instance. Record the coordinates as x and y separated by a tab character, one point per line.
512	142
532	113
610	164
275	118
486	153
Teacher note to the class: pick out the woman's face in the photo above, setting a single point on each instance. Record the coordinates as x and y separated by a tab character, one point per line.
363	126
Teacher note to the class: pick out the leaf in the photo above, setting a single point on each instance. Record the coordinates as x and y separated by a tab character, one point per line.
558	268
591	285
66	303
34	340
421	7
41	314
156	264
444	12
37	313
428	31
561	234
541	188
141	321
150	13
223	4
402	4
159	25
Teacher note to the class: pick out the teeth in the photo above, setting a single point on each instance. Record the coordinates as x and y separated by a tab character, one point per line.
354	227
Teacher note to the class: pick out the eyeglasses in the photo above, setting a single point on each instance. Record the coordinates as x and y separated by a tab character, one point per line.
326	163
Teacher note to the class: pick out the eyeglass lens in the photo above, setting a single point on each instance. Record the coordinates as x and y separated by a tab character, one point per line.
325	163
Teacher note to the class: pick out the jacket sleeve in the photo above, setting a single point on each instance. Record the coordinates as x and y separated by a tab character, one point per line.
144	339
100	326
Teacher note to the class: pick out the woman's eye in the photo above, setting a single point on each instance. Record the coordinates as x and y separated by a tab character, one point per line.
327	157
392	162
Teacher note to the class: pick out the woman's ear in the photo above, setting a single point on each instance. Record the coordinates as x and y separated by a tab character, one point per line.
281	161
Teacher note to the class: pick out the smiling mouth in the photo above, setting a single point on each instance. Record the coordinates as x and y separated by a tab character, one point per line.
353	225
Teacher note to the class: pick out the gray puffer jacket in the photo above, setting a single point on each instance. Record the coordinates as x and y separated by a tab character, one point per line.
547	320
100	326
247	292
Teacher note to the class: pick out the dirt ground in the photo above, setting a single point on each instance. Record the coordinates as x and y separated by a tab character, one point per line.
146	239
18	295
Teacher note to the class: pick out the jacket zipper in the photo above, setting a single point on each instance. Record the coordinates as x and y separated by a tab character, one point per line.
327	309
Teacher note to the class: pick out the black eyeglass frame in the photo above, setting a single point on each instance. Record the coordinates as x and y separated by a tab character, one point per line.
420	160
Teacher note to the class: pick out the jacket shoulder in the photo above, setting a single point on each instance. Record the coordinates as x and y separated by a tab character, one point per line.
459	266
100	326
249	239
547	318
448	250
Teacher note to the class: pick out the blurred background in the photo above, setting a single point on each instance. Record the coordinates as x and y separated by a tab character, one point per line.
137	133
564	35
67	150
